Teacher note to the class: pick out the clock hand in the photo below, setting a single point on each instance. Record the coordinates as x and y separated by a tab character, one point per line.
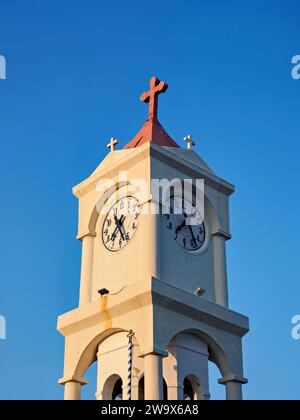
193	236
118	227
122	227
183	223
180	227
113	236
191	230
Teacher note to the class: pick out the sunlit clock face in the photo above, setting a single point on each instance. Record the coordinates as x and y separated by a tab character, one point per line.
120	224
185	224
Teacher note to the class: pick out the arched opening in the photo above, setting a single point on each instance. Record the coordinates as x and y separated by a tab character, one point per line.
112	389
188	392
192	389
117	392
142	389
199	362
215	352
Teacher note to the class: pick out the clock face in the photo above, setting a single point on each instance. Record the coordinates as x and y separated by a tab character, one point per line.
120	224
184	224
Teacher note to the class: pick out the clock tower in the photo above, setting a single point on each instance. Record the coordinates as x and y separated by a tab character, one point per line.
153	302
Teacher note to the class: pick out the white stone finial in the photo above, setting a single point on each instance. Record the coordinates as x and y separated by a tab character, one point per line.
111	145
189	141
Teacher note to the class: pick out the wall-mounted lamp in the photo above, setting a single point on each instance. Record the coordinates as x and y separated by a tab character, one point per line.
103	292
200	291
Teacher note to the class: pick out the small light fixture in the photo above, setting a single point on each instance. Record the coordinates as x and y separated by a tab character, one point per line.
199	291
103	292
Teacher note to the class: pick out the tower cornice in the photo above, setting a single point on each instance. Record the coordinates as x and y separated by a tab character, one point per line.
127	159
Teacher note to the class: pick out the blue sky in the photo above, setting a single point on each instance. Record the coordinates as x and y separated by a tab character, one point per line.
75	71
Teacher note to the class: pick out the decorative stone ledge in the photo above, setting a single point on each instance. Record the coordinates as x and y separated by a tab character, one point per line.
232	378
81	381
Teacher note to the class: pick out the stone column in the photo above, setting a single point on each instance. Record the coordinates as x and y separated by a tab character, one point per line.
134	391
234	391
73	388
233	385
220	268
153	377
86	269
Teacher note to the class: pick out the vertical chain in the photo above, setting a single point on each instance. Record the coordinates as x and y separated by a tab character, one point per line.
129	377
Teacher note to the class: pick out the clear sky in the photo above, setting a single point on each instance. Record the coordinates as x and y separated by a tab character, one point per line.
75	70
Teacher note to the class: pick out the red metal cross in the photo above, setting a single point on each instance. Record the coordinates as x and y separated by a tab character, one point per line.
156	87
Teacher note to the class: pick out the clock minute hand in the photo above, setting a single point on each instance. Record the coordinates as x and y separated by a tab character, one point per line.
113	236
191	230
193	236
180	227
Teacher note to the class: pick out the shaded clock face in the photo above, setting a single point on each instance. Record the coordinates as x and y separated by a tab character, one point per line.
184	224
120	224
